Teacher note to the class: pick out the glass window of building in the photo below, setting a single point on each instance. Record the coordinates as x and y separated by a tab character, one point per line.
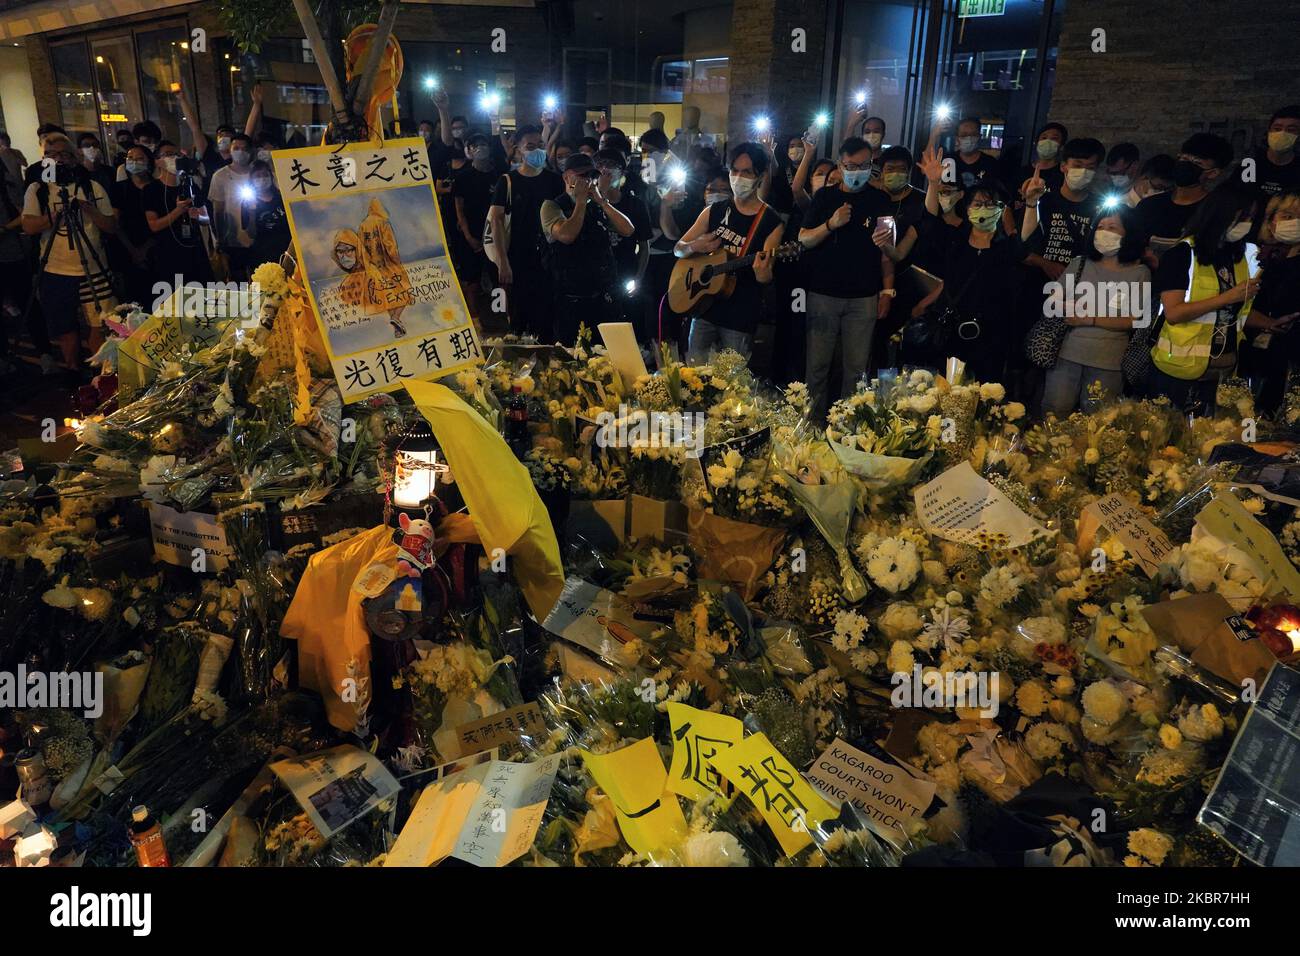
470	75
75	87
164	63
116	84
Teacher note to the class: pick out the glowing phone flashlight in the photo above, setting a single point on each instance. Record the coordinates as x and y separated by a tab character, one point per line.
551	101
430	82
762	124
943	111
821	120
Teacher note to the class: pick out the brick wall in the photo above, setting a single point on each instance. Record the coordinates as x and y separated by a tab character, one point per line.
766	75
1173	67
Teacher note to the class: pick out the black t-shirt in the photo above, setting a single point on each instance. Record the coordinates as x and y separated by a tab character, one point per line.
740	311
474	187
1271	179
527	193
625	247
984	167
976	281
908	212
1171	275
271	238
1279	289
847	263
130	201
1161	218
1054	176
1063	227
176	251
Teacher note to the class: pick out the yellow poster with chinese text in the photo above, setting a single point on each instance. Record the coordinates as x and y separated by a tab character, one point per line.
633	778
374	261
697	736
785	799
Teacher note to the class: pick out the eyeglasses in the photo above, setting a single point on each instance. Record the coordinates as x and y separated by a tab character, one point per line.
1205	164
856	167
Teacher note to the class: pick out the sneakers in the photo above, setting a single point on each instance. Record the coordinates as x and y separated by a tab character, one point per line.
47	365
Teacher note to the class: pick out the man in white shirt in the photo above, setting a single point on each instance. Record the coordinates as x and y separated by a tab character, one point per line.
227	195
67	287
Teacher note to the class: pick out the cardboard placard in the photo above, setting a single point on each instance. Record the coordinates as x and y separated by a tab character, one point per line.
176	534
624	353
501	729
888	795
1145	543
654	521
1201	626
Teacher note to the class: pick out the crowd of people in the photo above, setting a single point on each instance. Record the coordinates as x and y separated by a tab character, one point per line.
83	229
1090	272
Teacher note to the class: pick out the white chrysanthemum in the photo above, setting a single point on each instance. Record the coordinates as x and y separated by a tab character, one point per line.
1046	740
894	564
992	392
716	848
1043	630
900	621
1104	702
1151	845
1000	586
850	629
900	659
1032	698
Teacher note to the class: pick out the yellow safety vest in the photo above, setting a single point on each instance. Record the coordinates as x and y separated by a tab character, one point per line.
1183	350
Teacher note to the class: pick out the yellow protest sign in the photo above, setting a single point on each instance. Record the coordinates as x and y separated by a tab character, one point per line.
633	778
195	315
785	799
697	736
375	265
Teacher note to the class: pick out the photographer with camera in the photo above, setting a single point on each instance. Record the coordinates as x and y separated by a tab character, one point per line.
69	210
175	214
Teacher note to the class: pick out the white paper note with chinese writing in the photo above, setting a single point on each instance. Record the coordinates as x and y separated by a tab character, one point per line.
1145	543
487	815
961	506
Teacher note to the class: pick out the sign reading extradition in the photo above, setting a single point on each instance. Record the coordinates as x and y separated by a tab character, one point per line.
375	263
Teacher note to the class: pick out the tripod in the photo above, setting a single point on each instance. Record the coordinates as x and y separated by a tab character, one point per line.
68	217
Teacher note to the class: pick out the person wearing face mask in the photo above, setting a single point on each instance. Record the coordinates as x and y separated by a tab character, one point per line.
743	225
131	253
1046	156
1122	167
227	197
176	223
124	141
973	164
631	252
472	197
1164	217
1066	215
1276	166
92	161
268	222
978	262
674	206
1156	176
517	258
1206	292
578	225
1272	353
1105	301
148	135
849	280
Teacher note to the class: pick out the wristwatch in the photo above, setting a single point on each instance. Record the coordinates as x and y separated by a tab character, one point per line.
889	292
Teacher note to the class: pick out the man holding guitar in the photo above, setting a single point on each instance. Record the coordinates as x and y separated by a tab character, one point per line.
744	226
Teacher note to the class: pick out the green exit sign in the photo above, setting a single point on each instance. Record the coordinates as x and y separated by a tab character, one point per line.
982	8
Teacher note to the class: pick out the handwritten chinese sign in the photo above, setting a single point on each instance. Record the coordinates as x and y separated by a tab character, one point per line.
961	506
1144	542
697	736
374	259
500	729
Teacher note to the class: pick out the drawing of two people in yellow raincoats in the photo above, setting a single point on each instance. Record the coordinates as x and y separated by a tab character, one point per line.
375	279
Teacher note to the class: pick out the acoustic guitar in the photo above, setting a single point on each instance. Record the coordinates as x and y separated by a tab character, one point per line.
696	282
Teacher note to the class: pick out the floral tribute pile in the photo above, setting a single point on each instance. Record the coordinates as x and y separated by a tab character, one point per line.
765	653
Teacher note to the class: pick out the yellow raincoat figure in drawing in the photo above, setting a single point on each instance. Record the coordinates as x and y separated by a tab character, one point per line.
388	287
347	255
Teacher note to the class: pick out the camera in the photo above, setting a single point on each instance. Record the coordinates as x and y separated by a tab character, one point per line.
187	165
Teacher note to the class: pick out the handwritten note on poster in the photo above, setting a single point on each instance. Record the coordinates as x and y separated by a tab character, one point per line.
697	736
1144	542
1228	520
961	506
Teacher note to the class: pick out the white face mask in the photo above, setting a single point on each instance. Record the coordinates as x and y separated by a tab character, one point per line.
795	153
711	198
168	164
968	144
1237	232
240	156
1287	230
1047	149
742	187
1078	179
1106	242
874	139
948	202
1121	180
223	144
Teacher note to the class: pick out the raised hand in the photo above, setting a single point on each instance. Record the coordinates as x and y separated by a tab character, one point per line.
1034	188
932	164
